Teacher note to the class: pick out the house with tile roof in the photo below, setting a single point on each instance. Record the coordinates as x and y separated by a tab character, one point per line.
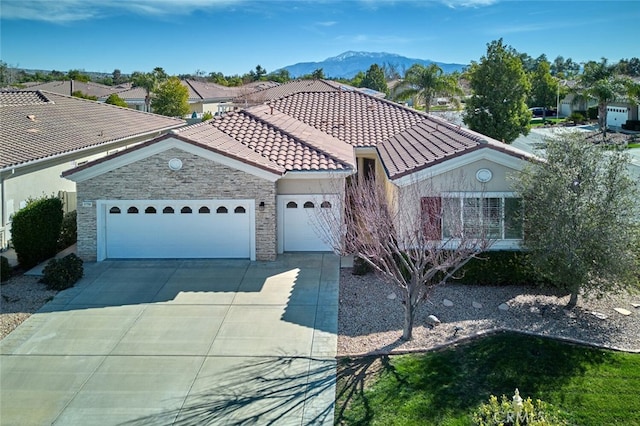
248	184
44	133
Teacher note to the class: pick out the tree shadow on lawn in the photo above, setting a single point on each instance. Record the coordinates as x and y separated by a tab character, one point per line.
455	380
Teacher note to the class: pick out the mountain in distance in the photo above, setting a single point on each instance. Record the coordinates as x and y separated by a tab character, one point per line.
348	64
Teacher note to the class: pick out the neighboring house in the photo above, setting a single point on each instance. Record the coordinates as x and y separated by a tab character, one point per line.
247	184
43	133
67	87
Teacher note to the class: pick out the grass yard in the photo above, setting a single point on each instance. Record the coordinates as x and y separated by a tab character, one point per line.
537	122
594	387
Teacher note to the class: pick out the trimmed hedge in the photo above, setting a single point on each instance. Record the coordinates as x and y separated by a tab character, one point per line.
498	268
5	269
35	230
68	231
60	274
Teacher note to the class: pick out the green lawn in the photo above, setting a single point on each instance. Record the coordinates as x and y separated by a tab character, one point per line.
537	122
594	387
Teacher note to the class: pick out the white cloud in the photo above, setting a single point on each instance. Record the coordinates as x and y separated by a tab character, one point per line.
64	11
326	23
468	3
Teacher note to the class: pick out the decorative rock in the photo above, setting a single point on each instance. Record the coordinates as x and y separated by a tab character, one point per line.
392	296
599	315
570	314
503	307
447	302
534	310
636	305
476	305
433	320
622	311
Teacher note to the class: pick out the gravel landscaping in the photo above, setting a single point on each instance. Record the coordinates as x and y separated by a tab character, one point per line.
370	317
20	297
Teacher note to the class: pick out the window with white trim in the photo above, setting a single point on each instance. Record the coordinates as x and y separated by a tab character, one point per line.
496	217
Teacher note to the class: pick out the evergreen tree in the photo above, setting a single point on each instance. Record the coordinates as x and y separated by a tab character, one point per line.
497	107
374	79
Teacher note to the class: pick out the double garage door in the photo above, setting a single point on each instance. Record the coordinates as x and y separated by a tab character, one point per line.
178	229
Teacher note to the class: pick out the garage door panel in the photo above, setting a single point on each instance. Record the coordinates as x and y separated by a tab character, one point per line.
300	221
178	229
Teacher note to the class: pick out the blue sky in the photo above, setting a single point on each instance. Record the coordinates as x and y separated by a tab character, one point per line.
233	36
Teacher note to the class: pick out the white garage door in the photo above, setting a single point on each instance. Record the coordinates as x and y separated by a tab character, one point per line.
617	116
299	224
177	229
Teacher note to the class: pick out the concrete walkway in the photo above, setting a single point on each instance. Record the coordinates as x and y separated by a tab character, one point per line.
182	342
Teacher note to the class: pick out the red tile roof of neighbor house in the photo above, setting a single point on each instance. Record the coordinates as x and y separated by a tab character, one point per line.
36	125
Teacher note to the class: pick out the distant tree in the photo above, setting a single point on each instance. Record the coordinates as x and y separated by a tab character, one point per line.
391	71
581	217
234	80
82	95
260	72
117	76
426	83
318	74
77	75
172	99
114	99
544	88
57	75
374	79
280	76
149	81
217	78
497	107
356	81
562	68
599	81
5	76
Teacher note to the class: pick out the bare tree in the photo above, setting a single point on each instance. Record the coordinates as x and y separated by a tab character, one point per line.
404	238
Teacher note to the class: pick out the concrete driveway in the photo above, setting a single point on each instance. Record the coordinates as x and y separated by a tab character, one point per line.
179	342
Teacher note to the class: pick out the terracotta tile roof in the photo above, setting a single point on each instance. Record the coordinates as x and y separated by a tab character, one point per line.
35	125
293	151
352	117
318	140
407	140
295	86
210	137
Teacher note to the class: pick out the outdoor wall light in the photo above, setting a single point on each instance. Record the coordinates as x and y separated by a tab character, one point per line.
261	205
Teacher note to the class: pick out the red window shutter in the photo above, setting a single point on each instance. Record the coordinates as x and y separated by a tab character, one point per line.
432	217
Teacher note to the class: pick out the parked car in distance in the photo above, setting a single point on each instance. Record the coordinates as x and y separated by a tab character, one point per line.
542	112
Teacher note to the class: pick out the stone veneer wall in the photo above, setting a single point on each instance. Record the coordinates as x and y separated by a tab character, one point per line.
199	178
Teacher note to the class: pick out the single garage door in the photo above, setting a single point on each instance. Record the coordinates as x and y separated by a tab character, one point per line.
299	224
178	229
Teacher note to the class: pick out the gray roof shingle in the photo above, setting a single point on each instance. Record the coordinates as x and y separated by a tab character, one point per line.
36	125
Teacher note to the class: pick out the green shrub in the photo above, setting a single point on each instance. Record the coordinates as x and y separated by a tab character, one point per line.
5	269
207	116
592	113
360	267
35	230
502	413
498	268
68	231
60	274
576	117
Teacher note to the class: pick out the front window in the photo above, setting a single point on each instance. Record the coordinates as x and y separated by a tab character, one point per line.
471	217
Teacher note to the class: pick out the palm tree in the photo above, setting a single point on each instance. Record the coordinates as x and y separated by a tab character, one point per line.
427	82
601	84
149	81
